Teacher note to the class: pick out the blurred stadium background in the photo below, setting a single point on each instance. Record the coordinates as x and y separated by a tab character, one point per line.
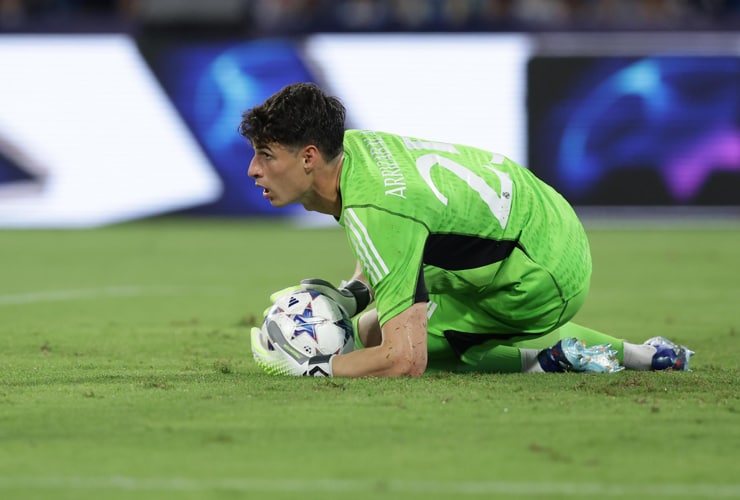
123	109
125	369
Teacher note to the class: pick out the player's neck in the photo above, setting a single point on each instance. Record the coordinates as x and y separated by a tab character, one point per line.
327	198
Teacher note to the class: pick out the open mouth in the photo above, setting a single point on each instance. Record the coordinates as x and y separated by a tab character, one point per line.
265	191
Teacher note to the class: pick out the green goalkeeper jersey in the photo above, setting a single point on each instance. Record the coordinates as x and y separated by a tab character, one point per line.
427	217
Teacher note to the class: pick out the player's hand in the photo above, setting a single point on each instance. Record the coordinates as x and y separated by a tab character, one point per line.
274	296
353	297
277	357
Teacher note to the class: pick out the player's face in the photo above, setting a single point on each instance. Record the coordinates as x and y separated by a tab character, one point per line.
280	173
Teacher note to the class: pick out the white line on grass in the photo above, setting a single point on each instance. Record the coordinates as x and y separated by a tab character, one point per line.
510	488
102	292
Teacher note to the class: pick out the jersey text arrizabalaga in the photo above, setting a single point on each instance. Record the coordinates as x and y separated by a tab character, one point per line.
427	217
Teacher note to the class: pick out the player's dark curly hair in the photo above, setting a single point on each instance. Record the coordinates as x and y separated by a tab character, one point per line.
297	115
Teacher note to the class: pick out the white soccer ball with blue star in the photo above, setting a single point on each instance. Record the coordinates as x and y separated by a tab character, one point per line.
310	324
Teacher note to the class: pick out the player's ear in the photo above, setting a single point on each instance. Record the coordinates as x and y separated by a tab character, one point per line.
310	156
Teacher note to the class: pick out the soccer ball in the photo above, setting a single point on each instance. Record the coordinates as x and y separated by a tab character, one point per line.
307	323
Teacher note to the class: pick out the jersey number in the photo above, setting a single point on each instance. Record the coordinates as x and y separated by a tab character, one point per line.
499	204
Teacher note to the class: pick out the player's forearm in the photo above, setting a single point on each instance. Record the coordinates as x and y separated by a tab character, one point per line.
402	352
377	362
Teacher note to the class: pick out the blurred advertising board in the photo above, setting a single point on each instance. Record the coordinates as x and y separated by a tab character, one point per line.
646	120
88	137
97	129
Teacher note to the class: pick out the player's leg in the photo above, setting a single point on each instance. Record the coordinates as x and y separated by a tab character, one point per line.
531	306
503	349
657	353
452	349
519	353
591	337
551	352
526	353
504	328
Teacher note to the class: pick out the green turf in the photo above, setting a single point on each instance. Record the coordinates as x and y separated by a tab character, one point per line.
125	372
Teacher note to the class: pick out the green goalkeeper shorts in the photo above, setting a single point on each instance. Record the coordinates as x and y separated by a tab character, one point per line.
523	303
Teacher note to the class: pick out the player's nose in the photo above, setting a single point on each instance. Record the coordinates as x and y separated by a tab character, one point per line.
254	170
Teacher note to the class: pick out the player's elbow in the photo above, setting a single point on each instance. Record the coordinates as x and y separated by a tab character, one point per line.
404	345
418	365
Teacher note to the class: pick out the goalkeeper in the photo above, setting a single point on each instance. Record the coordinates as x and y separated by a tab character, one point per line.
473	263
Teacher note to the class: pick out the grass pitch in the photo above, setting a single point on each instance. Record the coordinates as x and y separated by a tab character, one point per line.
125	372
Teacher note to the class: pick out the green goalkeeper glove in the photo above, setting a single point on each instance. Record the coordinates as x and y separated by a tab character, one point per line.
277	357
353	297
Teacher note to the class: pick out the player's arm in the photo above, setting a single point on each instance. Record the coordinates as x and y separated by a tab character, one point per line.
359	275
402	351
